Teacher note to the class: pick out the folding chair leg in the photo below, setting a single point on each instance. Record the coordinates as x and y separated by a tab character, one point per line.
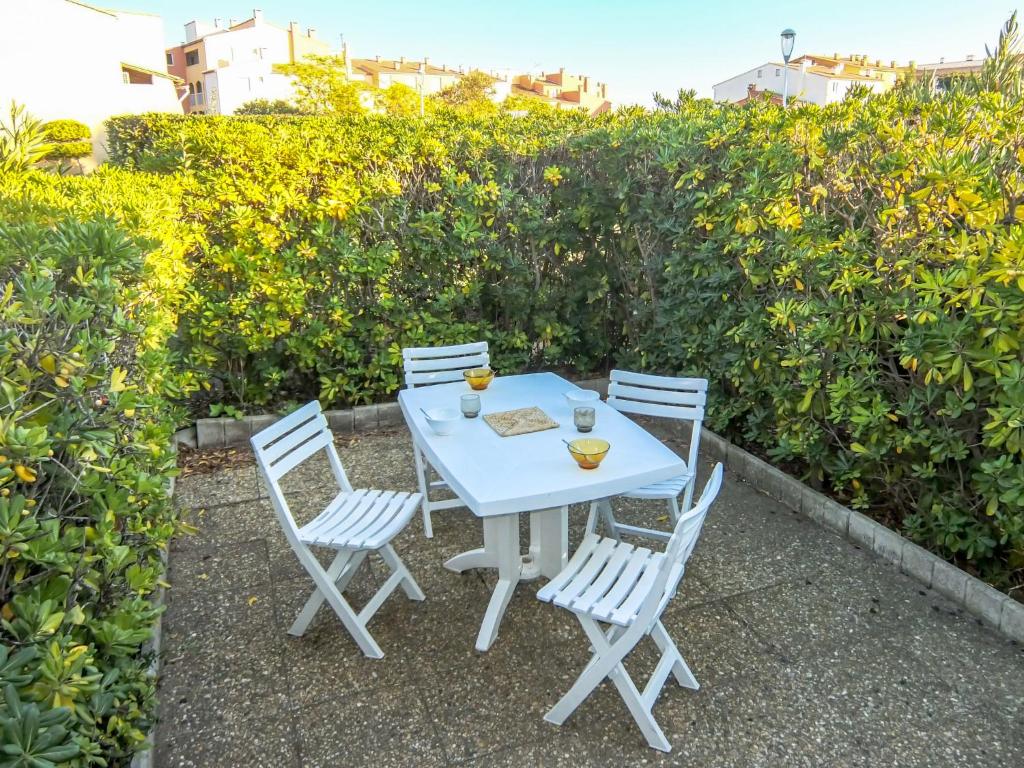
673	510
421	477
340	572
639	710
592	517
611	527
668	648
327	589
409	585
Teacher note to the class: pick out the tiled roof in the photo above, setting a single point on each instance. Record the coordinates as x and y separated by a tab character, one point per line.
390	67
154	72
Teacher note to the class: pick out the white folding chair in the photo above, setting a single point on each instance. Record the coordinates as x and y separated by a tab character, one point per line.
438	365
614	583
354	523
667	396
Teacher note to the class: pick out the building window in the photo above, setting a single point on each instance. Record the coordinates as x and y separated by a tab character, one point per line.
199	93
760	74
778	71
191	58
170	59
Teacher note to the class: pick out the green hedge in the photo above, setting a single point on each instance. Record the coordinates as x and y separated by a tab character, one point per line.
847	277
85	460
68	140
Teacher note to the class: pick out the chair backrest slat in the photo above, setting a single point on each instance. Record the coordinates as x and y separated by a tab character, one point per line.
440	365
671	397
287	443
290	460
291	441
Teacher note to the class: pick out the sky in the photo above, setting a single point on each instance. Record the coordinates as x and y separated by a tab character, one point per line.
637	47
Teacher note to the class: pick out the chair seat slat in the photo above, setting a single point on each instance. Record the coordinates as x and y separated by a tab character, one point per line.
645	585
380	517
333	514
599	586
579	557
586	574
627	579
362	514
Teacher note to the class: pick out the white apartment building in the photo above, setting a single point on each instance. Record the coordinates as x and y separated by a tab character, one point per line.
67	59
813	79
224	65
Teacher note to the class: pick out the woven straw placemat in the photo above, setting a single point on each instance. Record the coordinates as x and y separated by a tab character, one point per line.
521	421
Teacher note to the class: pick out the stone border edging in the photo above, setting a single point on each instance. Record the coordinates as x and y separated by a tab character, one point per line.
223	432
994	608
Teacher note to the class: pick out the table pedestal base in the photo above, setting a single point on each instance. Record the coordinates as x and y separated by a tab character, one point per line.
548	555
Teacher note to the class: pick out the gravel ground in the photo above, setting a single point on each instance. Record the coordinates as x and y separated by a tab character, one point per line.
809	651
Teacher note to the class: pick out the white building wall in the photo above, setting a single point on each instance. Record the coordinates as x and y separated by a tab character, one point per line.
810	87
63	60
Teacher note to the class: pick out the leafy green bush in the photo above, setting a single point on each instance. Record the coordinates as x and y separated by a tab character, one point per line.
66	130
848	277
85	465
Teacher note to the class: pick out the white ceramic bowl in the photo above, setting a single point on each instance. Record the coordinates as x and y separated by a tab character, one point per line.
578	397
443	420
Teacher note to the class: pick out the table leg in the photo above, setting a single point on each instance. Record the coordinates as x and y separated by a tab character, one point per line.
549	540
475	558
501	541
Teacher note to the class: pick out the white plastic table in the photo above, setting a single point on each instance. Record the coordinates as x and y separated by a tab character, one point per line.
500	477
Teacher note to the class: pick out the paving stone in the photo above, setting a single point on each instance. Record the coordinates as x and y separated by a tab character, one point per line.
387	728
226	486
810	651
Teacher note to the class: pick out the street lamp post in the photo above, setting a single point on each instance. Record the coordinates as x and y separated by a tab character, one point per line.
788	37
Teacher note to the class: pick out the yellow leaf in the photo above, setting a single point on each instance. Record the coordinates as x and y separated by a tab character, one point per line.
117	380
799	284
7	612
48	364
252	601
24	474
60	381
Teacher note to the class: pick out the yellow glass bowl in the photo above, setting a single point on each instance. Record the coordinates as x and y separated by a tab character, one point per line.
479	378
589	451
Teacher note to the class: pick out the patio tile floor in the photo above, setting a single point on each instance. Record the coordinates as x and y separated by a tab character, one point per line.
810	651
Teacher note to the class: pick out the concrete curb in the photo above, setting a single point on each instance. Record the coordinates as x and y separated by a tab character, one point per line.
992	607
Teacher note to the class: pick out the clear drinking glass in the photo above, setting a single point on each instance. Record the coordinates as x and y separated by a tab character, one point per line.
584	417
470	405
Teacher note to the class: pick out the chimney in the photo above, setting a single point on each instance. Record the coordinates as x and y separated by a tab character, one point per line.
231	22
377	58
293	27
586	85
892	64
970	57
425	61
217	23
257	15
311	32
835	55
401	60
942	60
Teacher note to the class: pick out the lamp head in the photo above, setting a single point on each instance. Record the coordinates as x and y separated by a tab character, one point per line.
788	38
